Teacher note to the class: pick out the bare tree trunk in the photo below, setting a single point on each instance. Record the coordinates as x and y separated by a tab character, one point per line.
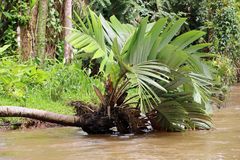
41	28
67	120
26	36
68	55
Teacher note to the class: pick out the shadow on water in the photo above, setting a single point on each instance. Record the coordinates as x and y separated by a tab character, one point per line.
221	143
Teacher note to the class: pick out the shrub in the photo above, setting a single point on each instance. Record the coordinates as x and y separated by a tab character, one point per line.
225	70
16	79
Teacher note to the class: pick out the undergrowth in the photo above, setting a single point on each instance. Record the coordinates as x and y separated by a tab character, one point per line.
48	89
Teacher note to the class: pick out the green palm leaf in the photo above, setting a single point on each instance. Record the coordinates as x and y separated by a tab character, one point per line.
169	32
186	39
197	47
86	43
115	29
172	116
198	116
90	38
146	77
179	112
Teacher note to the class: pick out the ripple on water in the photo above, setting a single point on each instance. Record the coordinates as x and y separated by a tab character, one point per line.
2	144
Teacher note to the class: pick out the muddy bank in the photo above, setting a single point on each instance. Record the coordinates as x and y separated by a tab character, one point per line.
26	124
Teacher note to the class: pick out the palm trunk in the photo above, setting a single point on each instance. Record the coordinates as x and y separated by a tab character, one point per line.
68	55
66	120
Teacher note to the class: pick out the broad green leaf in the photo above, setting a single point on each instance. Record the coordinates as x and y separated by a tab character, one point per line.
164	39
186	39
195	48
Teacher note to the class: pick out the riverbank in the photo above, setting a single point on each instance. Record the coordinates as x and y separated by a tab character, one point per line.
61	107
26	124
36	102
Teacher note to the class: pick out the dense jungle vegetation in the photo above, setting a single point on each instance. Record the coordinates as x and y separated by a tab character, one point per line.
133	65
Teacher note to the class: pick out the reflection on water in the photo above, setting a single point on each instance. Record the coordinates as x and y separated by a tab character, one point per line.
71	144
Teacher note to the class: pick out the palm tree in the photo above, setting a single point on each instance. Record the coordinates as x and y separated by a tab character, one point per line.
162	73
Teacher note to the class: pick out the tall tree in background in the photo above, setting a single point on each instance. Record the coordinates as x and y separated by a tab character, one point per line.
41	28
68	54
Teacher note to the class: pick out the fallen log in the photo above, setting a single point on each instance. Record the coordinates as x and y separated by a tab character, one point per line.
92	123
66	120
126	120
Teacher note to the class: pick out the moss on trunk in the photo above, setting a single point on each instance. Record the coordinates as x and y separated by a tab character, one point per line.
41	29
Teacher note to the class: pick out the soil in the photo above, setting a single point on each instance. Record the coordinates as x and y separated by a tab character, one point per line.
26	124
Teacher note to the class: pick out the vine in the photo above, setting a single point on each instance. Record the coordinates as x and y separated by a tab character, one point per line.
221	20
12	15
54	29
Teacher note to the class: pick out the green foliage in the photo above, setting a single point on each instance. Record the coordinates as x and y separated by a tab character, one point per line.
16	79
90	41
54	29
225	70
57	82
12	14
126	10
179	111
131	11
154	60
224	24
2	49
53	20
50	89
18	13
70	82
219	18
33	3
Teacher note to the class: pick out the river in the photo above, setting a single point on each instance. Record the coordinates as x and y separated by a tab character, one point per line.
220	143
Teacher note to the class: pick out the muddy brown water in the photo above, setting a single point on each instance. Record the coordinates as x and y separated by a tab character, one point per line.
221	143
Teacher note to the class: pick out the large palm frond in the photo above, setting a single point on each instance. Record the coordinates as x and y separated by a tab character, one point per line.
179	112
142	72
89	38
115	29
146	77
